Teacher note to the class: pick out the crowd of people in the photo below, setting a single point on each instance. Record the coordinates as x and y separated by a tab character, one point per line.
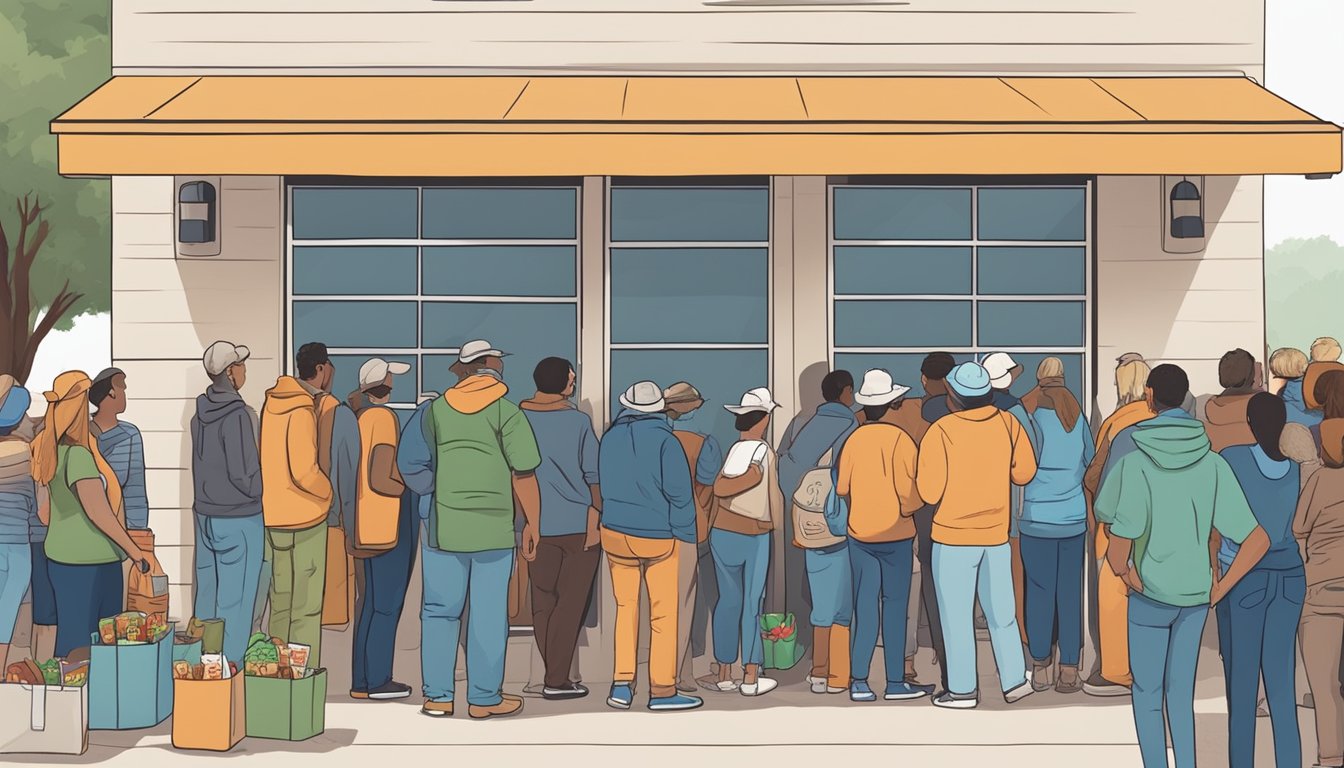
967	506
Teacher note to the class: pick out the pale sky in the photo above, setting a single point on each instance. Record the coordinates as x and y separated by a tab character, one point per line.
1304	63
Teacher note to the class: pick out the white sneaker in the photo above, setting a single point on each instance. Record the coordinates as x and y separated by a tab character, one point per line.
818	684
762	686
1019	693
726	686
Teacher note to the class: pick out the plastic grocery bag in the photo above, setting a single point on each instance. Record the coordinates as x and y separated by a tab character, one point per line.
779	635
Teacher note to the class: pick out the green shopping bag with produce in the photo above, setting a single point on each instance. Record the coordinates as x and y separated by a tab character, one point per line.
779	635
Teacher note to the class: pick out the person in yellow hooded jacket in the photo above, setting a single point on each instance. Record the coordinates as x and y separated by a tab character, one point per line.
296	496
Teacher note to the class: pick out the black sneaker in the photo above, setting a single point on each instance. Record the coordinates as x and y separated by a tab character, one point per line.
390	690
571	691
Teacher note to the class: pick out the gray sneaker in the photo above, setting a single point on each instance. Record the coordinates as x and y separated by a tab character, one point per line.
1019	693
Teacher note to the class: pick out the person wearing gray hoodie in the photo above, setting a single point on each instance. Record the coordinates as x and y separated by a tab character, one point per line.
226	473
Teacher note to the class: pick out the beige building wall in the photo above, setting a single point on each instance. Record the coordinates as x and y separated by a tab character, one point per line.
1186	309
166	310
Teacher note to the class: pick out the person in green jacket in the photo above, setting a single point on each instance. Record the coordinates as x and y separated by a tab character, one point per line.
484	454
1163	496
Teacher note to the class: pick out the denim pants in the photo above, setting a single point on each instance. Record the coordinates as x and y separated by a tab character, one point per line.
1163	653
741	563
1054	597
960	574
379	604
84	594
1264	609
43	594
16	570
831	584
881	582
229	551
477	583
706	595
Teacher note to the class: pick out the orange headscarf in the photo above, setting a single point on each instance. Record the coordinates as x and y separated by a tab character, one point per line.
68	419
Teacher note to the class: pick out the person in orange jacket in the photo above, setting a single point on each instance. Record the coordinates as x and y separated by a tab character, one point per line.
296	496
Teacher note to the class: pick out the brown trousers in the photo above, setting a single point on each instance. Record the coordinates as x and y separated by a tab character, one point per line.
563	577
1321	634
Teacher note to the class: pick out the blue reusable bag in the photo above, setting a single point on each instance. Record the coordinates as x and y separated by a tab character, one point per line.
130	686
837	509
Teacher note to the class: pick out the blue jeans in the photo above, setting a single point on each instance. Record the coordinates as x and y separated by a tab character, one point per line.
1264	609
16	570
1054	596
84	594
381	600
1163	653
881	573
229	551
454	581
44	595
740	566
960	574
831	585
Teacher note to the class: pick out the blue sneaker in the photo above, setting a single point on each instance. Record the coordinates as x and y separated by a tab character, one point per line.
859	691
904	691
675	703
621	696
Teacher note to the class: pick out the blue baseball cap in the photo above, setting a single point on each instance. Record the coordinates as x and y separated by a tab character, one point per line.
969	380
13	406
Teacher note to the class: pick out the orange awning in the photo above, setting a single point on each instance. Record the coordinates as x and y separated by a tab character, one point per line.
717	125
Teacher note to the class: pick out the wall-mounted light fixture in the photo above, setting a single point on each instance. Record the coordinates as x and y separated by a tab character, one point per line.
1183	225
196	215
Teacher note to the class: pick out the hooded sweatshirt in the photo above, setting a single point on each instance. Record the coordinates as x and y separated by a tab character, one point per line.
824	433
1124	417
124	450
568	447
1167	495
646	479
877	474
1225	420
1053	505
1297	407
1271	488
295	493
225	462
968	463
344	454
479	441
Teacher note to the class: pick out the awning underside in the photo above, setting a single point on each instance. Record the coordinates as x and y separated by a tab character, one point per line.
518	126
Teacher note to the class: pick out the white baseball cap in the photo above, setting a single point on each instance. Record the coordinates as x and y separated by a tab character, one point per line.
222	354
644	397
878	389
754	400
374	371
475	350
1000	366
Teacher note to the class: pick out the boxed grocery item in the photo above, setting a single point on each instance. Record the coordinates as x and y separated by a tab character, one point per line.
287	709
131	683
43	719
208	714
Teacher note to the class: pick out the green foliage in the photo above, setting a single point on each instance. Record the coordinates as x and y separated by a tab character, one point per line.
1304	280
52	53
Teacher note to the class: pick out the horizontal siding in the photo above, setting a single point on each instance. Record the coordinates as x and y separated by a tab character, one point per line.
691	35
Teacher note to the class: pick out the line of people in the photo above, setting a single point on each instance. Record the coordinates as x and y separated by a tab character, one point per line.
967	497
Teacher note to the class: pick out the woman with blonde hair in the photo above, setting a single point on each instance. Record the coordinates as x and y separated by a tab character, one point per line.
86	542
1289	366
1112	677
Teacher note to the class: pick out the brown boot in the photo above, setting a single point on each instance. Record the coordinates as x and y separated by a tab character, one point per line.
1069	680
508	705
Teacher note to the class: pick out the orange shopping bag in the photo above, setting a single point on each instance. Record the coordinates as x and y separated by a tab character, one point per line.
209	714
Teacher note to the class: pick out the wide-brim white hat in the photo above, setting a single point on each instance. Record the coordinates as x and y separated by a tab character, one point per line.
756	400
879	389
644	397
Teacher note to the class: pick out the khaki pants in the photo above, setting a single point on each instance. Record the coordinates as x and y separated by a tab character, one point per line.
688	569
654	563
298	581
1112	618
1321	635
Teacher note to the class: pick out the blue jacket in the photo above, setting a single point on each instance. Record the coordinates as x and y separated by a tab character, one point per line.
568	449
1297	407
934	408
1053	505
415	461
124	451
825	431
1271	488
345	457
646	480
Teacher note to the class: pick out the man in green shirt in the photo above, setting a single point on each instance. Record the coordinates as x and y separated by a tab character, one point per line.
484	455
1163	494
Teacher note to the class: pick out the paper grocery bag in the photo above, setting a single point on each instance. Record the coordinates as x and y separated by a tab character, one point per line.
43	719
147	592
209	714
338	599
